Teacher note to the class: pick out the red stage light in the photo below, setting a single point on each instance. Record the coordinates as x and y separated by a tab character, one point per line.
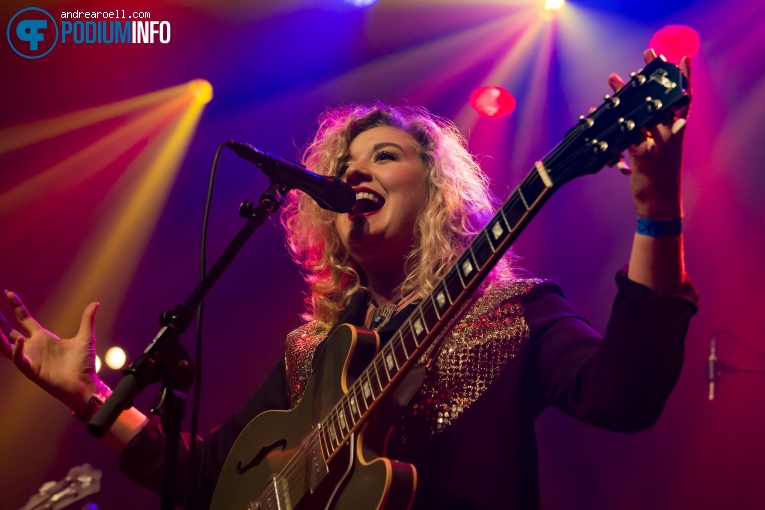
492	102
675	41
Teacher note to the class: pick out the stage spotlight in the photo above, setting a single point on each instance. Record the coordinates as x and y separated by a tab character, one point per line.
202	90
554	5
361	3
98	364
675	41
115	358
492	102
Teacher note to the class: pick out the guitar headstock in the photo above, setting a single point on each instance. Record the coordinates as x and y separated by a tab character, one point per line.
79	483
652	95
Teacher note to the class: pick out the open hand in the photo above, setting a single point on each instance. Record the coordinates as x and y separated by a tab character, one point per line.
65	368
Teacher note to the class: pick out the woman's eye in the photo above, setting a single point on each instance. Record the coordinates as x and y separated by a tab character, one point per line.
385	155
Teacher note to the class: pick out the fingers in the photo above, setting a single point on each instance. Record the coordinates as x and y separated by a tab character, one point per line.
8	335
88	321
6	348
22	314
623	167
17	356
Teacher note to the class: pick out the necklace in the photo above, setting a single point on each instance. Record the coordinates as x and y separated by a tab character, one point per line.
382	315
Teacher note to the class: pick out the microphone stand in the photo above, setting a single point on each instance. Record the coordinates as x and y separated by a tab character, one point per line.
725	368
165	358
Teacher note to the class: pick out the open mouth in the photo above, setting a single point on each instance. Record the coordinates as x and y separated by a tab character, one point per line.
367	202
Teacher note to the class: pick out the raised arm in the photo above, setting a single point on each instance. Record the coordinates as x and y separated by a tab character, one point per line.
655	178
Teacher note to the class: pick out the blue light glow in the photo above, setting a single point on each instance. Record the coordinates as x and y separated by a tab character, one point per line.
361	3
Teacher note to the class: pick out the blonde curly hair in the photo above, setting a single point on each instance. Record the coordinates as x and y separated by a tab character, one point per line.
458	206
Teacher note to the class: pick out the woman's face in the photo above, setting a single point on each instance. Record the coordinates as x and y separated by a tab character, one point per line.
385	170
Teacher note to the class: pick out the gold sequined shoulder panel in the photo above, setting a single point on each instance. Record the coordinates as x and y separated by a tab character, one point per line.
300	346
490	333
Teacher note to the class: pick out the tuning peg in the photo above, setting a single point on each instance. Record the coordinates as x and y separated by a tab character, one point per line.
653	104
637	79
586	121
626	125
613	102
598	146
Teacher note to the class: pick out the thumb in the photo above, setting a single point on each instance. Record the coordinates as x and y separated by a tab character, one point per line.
88	321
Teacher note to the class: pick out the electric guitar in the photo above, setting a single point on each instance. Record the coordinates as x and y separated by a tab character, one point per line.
321	454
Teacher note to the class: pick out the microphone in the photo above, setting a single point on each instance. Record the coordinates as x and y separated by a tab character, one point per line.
329	192
712	366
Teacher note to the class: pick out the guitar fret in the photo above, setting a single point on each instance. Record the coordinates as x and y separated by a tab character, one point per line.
323	441
345	421
354	406
406	337
396	352
400	340
417	329
453	285
421	320
377	376
336	427
533	187
513	212
482	250
486	235
361	401
497	230
366	386
332	435
467	268
390	359
434	306
387	373
429	314
520	194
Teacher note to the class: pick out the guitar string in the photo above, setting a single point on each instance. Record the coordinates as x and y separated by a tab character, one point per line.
289	470
296	465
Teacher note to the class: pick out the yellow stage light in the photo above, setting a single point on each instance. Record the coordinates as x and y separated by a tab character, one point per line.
202	90
554	5
115	358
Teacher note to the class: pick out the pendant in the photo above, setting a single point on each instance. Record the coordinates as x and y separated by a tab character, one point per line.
382	315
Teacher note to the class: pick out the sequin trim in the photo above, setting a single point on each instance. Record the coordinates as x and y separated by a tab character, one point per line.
300	346
490	334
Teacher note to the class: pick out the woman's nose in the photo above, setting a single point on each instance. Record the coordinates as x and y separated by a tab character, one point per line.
356	174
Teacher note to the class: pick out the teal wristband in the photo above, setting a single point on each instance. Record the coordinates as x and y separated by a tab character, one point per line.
660	228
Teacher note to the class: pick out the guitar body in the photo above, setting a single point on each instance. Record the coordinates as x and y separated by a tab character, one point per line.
277	462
